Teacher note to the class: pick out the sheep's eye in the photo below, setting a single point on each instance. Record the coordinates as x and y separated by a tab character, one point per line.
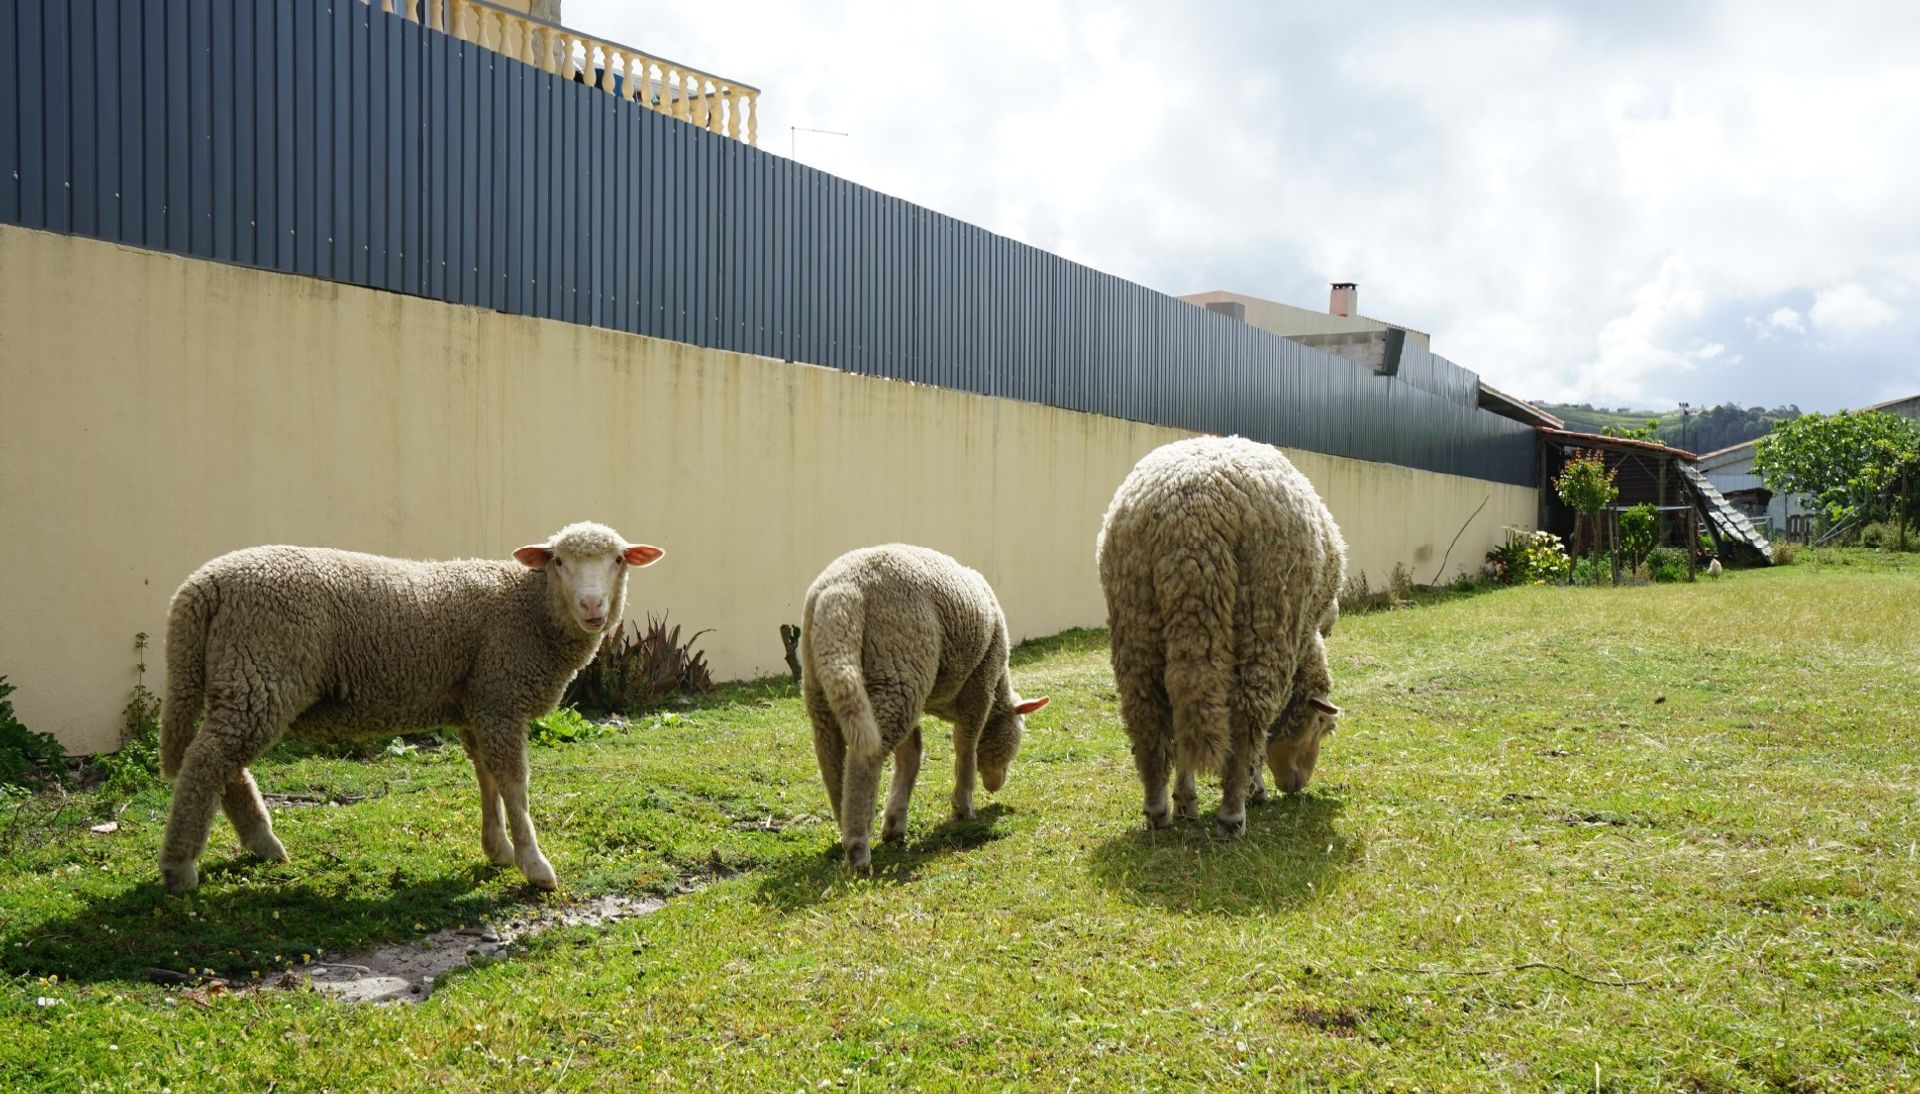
557	563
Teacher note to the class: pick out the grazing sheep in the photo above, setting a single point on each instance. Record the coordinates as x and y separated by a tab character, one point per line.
335	645
888	632
1221	569
1713	568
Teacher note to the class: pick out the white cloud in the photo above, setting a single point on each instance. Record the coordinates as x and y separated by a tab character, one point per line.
1518	186
1849	309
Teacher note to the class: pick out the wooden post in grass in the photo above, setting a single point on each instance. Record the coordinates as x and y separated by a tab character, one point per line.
1613	533
1693	541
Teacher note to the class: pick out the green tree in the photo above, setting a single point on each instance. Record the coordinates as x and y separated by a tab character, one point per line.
1863	466
1639	526
1586	486
1648	432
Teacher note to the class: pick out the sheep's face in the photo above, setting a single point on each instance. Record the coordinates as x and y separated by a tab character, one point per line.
1295	745
1001	740
586	567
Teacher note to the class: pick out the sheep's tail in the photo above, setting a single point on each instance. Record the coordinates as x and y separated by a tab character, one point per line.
837	630
187	624
1198	586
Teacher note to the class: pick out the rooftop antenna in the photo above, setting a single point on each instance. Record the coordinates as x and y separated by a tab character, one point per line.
794	131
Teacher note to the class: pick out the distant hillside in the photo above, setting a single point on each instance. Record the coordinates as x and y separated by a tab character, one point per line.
1706	430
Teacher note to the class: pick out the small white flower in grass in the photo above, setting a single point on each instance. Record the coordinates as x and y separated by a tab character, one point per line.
46	1001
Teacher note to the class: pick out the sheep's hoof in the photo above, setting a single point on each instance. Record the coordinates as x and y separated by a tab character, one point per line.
895	831
1160	818
963	810
859	859
1225	829
1188	809
180	877
539	872
264	845
500	854
1257	795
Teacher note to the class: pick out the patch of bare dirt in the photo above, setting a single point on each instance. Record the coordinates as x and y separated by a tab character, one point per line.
406	972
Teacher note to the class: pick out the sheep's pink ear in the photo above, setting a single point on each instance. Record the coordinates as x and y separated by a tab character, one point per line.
534	555
642	555
1028	706
1320	704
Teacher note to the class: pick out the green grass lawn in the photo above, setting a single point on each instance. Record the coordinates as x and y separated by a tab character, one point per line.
1660	837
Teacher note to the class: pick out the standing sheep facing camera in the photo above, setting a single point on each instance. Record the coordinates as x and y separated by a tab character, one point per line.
889	632
333	645
1221	568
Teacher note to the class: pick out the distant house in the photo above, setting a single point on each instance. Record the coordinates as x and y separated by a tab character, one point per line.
1342	331
1731	471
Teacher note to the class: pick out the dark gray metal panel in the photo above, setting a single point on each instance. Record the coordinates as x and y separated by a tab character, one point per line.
29	83
464	190
131	187
383	124
413	209
245	102
321	182
85	124
106	56
302	227
361	143
434	112
498	167
285	138
224	203
339	106
57	119
597	237
12	53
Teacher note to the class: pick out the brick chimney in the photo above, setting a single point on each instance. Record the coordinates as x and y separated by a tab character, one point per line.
1345	299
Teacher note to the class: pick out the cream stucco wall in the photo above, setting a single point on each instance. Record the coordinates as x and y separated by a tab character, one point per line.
158	411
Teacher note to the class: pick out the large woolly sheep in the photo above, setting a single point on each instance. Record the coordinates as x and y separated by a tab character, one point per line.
888	632
1221	566
334	645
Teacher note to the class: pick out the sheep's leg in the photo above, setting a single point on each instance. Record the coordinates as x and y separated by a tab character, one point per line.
232	736
505	747
248	815
1235	776
966	769
1186	794
1138	667
862	785
493	831
906	768
829	748
1256	785
896	709
204	773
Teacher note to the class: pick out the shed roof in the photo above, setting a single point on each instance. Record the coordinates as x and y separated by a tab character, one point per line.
1617	444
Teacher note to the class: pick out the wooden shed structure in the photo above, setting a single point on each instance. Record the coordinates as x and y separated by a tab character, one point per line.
1651	473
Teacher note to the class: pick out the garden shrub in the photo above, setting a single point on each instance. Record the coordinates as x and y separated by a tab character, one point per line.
27	759
1667	564
641	668
135	765
1529	558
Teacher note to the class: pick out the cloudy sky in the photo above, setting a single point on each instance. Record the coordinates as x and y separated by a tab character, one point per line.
1630	203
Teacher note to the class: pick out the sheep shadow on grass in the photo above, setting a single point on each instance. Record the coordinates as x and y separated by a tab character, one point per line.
238	933
809	879
1291	855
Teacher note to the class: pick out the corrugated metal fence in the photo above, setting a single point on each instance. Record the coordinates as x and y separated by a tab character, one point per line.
325	138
